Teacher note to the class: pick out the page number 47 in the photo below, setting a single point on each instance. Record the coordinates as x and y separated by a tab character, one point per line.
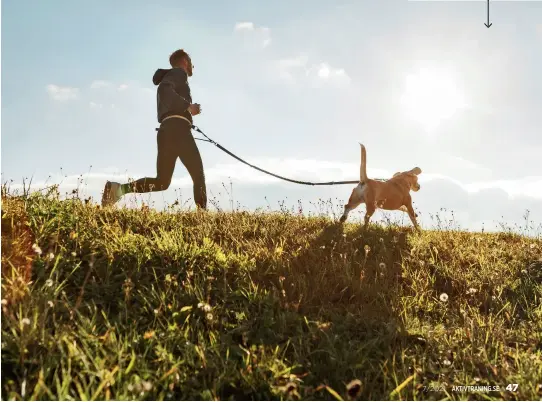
512	387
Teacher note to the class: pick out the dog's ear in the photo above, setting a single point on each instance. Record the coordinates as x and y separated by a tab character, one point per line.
397	174
415	171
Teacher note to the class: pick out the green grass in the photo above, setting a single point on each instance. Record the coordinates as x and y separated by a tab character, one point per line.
139	304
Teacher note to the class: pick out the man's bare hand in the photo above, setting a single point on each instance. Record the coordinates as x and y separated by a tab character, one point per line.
194	109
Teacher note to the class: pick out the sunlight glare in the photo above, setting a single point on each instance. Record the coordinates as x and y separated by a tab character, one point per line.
431	96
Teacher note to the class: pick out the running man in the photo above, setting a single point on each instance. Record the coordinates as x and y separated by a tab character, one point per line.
175	140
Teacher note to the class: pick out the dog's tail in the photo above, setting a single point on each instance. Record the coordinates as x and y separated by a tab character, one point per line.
363	166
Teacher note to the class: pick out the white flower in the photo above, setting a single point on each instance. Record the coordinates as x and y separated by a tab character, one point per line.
36	249
443	297
50	256
147	385
50	303
25	321
471	291
446	362
49	282
209	316
382	265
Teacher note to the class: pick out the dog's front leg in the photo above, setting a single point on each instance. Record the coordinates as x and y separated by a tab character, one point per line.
412	215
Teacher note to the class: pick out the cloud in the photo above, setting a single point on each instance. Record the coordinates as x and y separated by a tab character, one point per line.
59	93
298	69
261	34
244	26
97	84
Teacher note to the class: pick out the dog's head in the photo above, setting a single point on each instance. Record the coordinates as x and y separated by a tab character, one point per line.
410	177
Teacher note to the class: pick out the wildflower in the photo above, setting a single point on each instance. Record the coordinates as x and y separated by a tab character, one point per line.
381	240
353	389
532	246
443	297
147	385
148	335
50	256
51	304
290	387
49	283
4	302
382	265
36	249
471	291
155	311
367	249
209	316
25	321
447	362
73	254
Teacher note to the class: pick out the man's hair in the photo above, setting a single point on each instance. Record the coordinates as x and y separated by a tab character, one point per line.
177	56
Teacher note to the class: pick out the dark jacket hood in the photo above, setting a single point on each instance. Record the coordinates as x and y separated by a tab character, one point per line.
159	75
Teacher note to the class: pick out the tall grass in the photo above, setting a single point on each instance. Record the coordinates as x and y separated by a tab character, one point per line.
140	304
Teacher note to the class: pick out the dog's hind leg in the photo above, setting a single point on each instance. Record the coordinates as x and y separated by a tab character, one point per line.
371	208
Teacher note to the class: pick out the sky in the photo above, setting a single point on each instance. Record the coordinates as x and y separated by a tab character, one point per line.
290	86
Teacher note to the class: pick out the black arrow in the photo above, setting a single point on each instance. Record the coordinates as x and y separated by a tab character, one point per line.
488	24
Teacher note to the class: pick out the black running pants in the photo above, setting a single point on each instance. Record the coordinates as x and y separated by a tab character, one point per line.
175	140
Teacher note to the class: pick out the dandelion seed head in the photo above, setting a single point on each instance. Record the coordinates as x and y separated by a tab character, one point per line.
36	249
443	297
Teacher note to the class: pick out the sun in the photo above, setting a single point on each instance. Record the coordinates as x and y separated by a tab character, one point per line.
430	96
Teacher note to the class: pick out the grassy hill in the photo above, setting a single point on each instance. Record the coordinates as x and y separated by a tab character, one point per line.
138	304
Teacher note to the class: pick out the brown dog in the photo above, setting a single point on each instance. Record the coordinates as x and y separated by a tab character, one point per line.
393	194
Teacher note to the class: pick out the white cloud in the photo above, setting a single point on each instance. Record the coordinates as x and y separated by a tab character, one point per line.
298	68
59	93
261	34
325	72
97	84
244	26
